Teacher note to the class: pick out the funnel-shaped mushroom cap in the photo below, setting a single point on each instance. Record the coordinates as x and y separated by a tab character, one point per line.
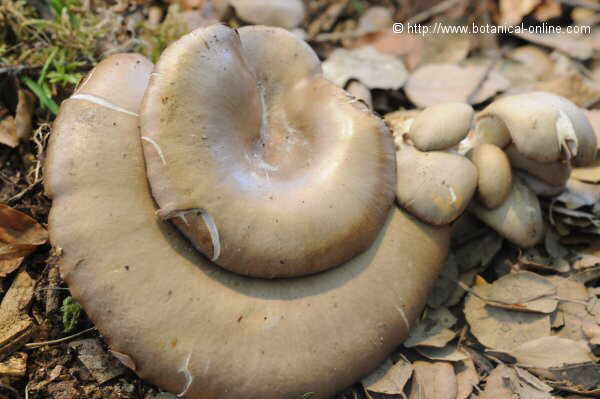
268	168
494	174
434	186
554	173
194	328
544	127
283	13
441	126
518	219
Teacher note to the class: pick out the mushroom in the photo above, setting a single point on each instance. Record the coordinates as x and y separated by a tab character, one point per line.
181	321
273	172
282	13
544	127
494	174
435	186
441	126
518	218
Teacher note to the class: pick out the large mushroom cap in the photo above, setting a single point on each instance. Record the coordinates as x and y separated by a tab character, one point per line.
544	126
266	167
190	326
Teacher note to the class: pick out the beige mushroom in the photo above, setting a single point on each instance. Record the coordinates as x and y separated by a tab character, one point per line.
185	323
494	174
282	13
441	126
273	172
435	186
518	218
544	127
553	173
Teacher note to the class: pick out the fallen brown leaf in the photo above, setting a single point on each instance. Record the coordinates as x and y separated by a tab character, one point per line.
24	114
466	378
577	47
574	87
438	83
8	132
513	11
372	68
551	351
434	380
498	328
19	234
389	378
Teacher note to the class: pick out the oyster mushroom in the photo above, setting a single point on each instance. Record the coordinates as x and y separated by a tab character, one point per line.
189	325
441	126
494	174
273	172
282	13
435	186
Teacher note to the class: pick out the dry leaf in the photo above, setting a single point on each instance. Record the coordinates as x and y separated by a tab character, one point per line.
575	46
522	291
479	252
500	384
573	296
96	360
398	44
8	132
433	381
445	48
24	114
574	87
438	83
590	173
498	328
124	358
551	351
432	330
449	353
578	194
389	378
466	378
513	11
372	68
19	234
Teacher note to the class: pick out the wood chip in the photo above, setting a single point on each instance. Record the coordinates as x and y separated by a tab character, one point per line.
15	324
14	366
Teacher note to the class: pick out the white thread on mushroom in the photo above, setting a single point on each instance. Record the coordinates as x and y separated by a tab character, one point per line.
214	234
102	102
566	134
188	376
404	318
157	148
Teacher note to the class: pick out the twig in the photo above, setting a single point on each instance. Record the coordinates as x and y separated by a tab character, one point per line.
58	341
581	3
437	9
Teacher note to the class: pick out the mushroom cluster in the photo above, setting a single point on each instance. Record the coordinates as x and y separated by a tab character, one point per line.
521	146
226	217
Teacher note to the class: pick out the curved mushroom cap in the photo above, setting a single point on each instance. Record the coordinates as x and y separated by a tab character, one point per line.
283	13
544	126
239	337
494	174
273	171
434	186
518	218
441	126
554	173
